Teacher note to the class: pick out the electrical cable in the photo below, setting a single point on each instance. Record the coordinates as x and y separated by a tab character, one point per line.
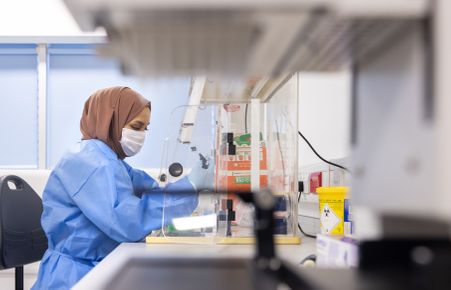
245	118
299	225
319	156
308	258
280	150
304	233
200	107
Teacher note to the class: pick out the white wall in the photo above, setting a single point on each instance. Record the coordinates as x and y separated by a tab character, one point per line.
324	115
37	18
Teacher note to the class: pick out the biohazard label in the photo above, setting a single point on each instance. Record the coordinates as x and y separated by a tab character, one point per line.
329	219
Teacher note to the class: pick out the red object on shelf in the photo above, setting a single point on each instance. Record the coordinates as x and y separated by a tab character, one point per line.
316	180
232	107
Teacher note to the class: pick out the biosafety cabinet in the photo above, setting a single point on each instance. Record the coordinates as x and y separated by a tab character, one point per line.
247	133
397	50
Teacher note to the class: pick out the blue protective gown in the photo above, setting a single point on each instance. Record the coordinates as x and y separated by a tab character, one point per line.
91	205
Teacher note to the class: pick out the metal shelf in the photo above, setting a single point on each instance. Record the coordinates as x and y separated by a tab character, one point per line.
244	40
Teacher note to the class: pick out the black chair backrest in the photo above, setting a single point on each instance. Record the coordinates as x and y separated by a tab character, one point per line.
22	240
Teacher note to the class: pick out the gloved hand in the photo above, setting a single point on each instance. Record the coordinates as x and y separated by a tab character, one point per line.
201	177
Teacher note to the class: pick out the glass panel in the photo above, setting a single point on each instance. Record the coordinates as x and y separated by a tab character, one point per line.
278	157
19	107
192	146
282	140
224	217
234	163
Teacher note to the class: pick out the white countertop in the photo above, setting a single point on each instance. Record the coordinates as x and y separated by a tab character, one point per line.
105	270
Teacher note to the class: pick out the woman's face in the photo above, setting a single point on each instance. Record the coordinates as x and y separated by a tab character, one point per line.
140	122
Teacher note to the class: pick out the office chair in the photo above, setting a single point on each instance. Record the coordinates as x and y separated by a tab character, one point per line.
22	240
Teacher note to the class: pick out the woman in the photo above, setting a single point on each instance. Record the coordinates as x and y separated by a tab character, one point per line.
94	200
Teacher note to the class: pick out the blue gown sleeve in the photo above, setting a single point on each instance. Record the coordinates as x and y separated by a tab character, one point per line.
121	215
141	180
174	198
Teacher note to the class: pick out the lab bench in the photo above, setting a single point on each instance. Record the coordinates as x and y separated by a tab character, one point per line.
105	271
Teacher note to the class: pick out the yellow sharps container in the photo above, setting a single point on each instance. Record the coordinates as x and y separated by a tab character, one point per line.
335	210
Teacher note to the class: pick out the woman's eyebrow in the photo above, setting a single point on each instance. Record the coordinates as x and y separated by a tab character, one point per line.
139	123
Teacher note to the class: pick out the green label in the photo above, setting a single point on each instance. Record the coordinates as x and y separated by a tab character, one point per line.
245	139
243	180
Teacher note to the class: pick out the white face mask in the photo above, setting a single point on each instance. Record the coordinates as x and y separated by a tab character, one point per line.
132	141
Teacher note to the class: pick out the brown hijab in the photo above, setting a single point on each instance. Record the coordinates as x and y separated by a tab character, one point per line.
107	111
